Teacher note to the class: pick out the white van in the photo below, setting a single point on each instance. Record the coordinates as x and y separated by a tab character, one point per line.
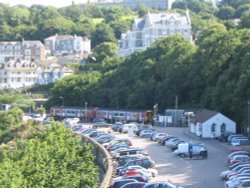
129	128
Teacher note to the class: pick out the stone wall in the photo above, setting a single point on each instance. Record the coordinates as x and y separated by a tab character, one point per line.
104	161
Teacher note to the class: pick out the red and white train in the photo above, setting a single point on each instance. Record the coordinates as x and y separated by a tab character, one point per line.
98	113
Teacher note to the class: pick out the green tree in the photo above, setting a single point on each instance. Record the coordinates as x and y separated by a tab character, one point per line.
50	158
142	10
103	33
241	9
245	20
226	12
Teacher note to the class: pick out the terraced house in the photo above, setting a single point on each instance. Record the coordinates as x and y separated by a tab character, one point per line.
17	50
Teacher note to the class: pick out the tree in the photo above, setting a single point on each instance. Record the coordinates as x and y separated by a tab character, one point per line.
241	9
18	15
226	12
103	33
50	158
104	50
142	10
73	12
120	27
58	25
245	20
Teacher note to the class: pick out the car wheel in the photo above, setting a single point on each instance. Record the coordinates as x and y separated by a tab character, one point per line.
182	155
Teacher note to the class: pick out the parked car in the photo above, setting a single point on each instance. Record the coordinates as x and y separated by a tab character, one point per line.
119	183
137	177
158	136
231	155
134	170
236	181
161	184
239	158
123	160
130	151
130	126
146	133
114	142
229	139
143	162
101	124
244	184
134	185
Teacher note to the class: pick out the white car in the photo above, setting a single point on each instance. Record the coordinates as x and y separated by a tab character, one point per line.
159	136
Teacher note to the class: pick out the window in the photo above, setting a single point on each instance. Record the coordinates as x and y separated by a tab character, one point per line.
223	128
213	128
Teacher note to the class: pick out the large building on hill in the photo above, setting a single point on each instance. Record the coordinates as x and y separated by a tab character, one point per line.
22	50
134	4
145	31
67	44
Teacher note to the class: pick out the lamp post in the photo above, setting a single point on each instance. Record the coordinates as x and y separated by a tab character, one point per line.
62	106
155	112
248	119
86	111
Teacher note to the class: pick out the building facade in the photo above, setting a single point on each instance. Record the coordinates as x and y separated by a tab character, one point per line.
25	50
52	73
211	124
145	31
67	44
19	74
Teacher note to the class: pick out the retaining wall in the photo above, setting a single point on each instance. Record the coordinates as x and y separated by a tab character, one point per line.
104	161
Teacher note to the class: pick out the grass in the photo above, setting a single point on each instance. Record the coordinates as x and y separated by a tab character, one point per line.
97	20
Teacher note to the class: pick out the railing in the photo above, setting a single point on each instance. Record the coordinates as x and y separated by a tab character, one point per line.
104	160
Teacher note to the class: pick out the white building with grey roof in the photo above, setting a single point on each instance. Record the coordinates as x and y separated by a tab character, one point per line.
67	44
152	27
23	73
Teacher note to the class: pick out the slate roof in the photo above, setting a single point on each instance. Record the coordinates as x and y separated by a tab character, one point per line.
204	115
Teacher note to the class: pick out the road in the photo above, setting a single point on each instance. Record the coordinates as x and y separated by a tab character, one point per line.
189	173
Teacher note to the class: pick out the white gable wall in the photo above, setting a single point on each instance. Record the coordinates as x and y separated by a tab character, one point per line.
218	120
